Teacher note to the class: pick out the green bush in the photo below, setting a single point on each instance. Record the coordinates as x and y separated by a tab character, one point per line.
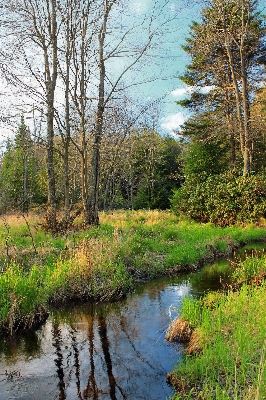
222	199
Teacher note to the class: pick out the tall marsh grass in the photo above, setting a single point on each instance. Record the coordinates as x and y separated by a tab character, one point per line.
100	263
231	330
252	268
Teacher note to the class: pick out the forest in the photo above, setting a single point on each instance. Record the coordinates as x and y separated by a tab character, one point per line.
84	155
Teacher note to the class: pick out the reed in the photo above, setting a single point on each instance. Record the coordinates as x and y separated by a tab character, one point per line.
253	268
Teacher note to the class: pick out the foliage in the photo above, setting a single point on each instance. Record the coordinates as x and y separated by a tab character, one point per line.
223	199
203	159
20	180
139	171
226	49
155	188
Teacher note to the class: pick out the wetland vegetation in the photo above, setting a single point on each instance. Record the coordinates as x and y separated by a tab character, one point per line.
101	263
104	149
225	336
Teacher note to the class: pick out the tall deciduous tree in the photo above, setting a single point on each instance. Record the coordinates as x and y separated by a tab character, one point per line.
33	30
67	56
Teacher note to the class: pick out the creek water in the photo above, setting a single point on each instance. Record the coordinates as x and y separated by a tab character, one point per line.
104	351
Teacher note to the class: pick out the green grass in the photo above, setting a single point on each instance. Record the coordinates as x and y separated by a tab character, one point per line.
100	263
254	267
231	330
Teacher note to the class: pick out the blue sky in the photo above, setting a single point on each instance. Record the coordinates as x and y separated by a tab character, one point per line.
166	63
172	115
167	60
173	60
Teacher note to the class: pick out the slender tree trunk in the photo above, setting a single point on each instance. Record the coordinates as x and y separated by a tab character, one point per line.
232	141
237	94
242	101
92	217
246	118
25	206
66	140
51	78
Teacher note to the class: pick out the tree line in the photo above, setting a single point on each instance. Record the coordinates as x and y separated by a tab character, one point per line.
95	147
74	61
140	168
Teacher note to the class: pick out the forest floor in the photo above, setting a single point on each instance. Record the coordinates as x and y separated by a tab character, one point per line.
100	263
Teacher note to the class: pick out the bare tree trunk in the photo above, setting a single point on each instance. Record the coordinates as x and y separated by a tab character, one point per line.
239	69
246	111
50	84
92	216
237	94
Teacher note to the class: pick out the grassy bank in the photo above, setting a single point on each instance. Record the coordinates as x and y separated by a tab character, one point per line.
226	355
99	263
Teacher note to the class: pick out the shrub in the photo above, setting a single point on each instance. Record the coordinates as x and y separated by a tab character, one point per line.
222	199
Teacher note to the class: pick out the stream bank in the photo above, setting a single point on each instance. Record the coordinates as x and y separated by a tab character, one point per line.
102	263
104	351
228	328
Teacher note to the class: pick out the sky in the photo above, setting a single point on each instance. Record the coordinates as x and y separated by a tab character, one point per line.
167	62
168	86
173	64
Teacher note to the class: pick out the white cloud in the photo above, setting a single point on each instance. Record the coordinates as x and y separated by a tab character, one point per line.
182	92
186	91
207	89
138	7
173	121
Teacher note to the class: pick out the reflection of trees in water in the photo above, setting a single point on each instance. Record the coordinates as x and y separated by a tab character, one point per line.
56	332
26	344
107	357
138	353
91	388
76	363
91	391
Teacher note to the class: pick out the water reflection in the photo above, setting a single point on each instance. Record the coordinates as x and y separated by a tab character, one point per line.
112	351
108	351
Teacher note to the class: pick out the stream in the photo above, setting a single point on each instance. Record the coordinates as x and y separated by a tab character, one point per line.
104	351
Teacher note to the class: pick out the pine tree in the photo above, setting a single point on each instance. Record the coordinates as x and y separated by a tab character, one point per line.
225	50
19	172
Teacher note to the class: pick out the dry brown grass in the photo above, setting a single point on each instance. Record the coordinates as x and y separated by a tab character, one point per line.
93	252
122	219
177	382
179	330
194	345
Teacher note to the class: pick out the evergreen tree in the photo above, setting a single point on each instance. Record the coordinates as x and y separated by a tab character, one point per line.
19	172
225	50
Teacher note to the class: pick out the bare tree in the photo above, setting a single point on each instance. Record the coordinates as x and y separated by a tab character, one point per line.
33	28
91	52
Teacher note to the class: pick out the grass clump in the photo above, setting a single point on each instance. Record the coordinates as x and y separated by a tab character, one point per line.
21	299
100	263
253	268
230	361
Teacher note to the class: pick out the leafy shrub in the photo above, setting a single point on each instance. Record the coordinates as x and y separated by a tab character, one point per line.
222	199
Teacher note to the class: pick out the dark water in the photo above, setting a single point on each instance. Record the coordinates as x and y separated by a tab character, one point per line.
109	351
